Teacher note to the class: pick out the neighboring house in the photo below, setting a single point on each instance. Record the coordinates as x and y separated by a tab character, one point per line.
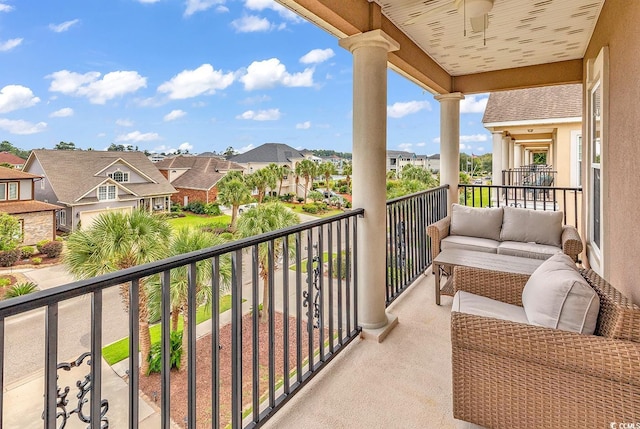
195	177
545	121
397	159
276	153
156	157
11	159
88	183
38	219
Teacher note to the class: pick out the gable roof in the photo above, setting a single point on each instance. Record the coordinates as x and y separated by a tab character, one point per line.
72	173
549	102
278	153
28	206
12	173
203	172
10	158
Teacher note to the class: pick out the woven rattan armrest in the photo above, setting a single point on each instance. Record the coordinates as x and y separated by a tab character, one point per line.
437	231
505	287
586	354
571	242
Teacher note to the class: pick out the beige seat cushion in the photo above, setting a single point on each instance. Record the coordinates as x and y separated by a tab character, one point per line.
527	250
469	243
557	296
469	303
476	222
532	226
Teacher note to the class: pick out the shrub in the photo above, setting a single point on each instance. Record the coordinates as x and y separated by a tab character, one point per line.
52	249
196	207
20	289
343	189
287	198
155	355
36	261
347	205
27	252
343	266
212	209
8	258
59	239
176	208
41	243
314	208
5	281
316	196
300	199
10	232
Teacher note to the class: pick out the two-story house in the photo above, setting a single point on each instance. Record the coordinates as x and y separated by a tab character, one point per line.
37	219
89	183
10	159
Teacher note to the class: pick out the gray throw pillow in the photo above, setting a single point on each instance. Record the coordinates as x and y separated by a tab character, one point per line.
532	226
476	222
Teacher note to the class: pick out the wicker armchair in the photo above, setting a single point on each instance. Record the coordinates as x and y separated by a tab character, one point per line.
513	375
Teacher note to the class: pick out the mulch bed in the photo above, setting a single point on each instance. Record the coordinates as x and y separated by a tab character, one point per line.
150	385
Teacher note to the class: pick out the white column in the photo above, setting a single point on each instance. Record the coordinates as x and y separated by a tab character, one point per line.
369	167
496	158
450	143
511	150
517	156
527	157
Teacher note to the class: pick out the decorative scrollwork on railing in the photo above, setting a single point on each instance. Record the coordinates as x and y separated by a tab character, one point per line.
401	245
84	388
318	295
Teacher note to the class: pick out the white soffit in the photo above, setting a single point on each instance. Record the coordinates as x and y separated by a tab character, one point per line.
520	32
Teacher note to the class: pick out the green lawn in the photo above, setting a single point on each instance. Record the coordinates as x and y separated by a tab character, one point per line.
473	198
115	352
297	208
191	219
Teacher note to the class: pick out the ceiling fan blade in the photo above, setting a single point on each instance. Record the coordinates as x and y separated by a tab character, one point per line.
479	23
426	14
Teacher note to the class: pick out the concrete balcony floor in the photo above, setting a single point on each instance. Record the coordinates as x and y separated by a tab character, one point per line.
403	382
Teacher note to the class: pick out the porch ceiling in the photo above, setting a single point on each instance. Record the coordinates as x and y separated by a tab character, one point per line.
528	43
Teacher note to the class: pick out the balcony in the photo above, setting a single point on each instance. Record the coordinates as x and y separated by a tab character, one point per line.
404	381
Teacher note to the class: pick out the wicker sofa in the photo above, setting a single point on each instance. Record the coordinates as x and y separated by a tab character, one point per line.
515	375
505	230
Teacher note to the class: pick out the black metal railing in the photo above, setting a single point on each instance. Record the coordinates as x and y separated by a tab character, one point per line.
530	175
567	200
408	247
308	272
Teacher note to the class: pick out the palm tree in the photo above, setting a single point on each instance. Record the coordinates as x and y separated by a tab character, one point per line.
266	218
187	240
306	169
261	180
117	241
327	169
283	172
347	170
233	193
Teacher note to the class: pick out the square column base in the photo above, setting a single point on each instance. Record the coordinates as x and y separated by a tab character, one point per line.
380	334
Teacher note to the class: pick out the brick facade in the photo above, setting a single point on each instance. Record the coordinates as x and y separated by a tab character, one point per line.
37	226
209	196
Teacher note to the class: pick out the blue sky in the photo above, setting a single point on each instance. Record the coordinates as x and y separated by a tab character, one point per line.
199	75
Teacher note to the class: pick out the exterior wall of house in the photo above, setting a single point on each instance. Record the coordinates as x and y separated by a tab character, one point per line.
106	206
617	28
47	195
134	177
288	186
24	189
38	226
209	196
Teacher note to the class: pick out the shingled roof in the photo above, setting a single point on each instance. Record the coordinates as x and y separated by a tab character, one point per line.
202	172
72	173
10	158
29	206
549	102
278	153
13	174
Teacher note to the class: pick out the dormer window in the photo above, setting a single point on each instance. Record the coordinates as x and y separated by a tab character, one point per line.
120	176
106	192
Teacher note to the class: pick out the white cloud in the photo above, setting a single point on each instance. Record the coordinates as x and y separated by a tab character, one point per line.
62	113
194	6
405	146
260	5
421	144
255	100
222	9
261	115
246	148
5	7
173	115
400	109
304	125
124	122
251	24
22	127
60	28
137	136
464	146
98	91
10	44
186	146
271	72
191	83
473	104
316	56
14	97
474	138
480	149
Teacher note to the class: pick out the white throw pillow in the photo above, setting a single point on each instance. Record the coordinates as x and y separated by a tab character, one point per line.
557	296
532	226
476	222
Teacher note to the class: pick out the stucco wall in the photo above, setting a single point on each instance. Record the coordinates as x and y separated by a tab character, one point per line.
37	226
618	28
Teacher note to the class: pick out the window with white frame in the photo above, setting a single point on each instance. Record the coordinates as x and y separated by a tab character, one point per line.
42	183
107	192
12	193
62	218
120	176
